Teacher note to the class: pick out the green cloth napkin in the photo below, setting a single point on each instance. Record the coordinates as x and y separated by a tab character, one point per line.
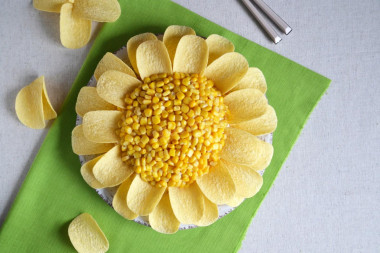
54	192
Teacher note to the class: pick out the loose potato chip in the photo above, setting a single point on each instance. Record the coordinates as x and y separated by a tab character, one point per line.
110	170
132	45
101	126
162	219
86	235
264	124
218	46
153	58
236	201
187	203
254	78
75	31
245	105
82	146
172	36
112	62
98	10
217	185
87	173
33	106
227	71
119	202
48	5
113	85
191	55
210	214
142	197
88	100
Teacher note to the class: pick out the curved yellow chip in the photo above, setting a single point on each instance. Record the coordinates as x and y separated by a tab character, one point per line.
86	235
191	55
227	71
153	58
75	32
247	181
162	219
112	62
33	106
119	202
245	105
88	100
187	203
172	36
87	173
142	197
236	201
264	124
113	85
254	78
101	126
110	170
217	185
132	45
82	146
264	156
210	214
98	10
48	5
218	46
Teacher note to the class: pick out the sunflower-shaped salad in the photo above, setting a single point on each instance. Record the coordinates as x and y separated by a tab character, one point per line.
175	129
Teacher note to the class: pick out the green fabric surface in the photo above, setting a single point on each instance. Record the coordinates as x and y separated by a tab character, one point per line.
54	192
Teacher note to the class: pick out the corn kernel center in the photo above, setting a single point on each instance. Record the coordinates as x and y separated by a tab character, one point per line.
172	129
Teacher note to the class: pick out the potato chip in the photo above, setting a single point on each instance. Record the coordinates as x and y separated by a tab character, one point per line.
86	235
87	173
132	45
236	201
110	170
210	214
153	58
264	124
98	10
82	146
75	31
187	203
218	46
112	62
245	105
264	156
142	197
119	202
172	36
191	55
162	219
33	106
48	5
217	185
88	100
101	126
113	85
227	71
254	78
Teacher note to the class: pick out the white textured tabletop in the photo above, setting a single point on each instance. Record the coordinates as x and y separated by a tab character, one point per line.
326	197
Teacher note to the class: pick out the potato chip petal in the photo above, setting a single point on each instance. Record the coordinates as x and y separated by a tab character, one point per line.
75	32
236	201
87	173
264	124
110	170
191	55
172	36
112	62
217	185
98	10
254	78
101	126
88	100
113	85
86	235
264	156
132	45
153	58
162	219
48	5
247	181
227	71
142	197
187	203
218	46
82	146
245	105
210	215
119	202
